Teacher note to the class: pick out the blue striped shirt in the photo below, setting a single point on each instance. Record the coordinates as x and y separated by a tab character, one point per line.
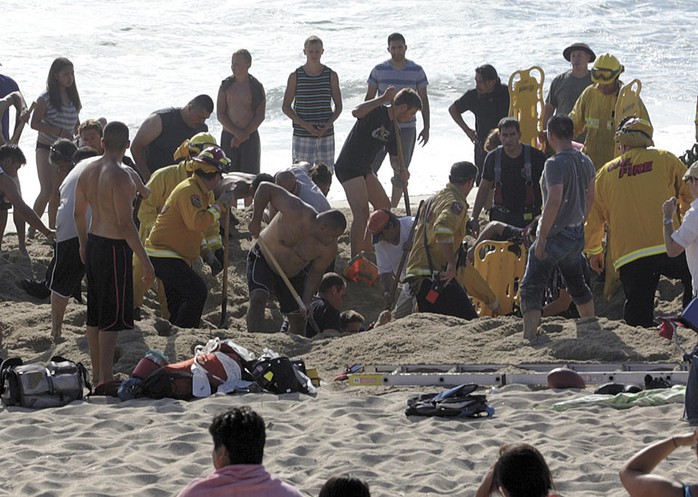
410	76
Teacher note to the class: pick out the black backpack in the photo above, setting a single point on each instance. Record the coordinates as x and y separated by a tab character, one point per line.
455	402
282	375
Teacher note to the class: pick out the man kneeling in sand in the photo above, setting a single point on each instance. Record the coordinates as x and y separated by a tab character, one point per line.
303	242
239	436
108	248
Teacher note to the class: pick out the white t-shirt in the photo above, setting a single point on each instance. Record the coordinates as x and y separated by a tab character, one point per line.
65	222
309	192
388	255
687	237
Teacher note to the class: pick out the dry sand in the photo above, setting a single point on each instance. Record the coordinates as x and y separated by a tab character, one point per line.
143	447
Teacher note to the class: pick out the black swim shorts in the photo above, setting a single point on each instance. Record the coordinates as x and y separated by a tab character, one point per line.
260	276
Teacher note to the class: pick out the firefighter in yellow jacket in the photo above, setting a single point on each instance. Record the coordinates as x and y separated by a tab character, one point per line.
431	265
161	184
630	191
593	112
175	240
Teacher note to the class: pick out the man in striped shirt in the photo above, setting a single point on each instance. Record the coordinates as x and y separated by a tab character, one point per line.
400	73
311	90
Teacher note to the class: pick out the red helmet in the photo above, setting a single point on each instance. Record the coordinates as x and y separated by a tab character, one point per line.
212	160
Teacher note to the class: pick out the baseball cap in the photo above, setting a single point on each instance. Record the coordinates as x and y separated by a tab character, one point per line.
567	52
377	223
691	172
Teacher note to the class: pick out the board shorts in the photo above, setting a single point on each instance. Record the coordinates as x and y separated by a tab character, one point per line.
66	275
313	150
246	157
352	171
260	276
109	270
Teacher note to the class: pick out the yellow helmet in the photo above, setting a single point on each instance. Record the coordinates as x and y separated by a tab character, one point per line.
606	69
193	146
635	132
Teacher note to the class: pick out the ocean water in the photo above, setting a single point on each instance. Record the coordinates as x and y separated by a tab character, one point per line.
133	57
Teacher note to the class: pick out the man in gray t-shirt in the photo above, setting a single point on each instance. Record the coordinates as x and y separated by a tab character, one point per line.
566	87
568	193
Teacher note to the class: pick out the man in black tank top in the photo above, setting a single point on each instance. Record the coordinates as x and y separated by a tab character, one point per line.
164	130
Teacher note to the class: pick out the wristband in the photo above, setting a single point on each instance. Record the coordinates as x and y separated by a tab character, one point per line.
668	221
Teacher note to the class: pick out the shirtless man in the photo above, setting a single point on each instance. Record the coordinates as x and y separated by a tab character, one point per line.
302	241
11	159
240	110
108	189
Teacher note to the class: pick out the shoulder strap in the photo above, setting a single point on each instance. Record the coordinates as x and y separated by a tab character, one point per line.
527	164
424	232
498	165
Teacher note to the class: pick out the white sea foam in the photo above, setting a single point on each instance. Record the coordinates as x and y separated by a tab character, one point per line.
135	57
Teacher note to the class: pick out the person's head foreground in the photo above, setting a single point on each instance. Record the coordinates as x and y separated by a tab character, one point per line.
239	436
345	486
521	471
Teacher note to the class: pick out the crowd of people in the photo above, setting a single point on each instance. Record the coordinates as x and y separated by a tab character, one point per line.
596	196
593	186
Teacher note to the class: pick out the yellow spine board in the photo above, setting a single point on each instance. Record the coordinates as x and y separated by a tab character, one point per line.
628	102
526	103
503	270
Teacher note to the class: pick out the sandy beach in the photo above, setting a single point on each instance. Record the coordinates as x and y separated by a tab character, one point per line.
102	446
